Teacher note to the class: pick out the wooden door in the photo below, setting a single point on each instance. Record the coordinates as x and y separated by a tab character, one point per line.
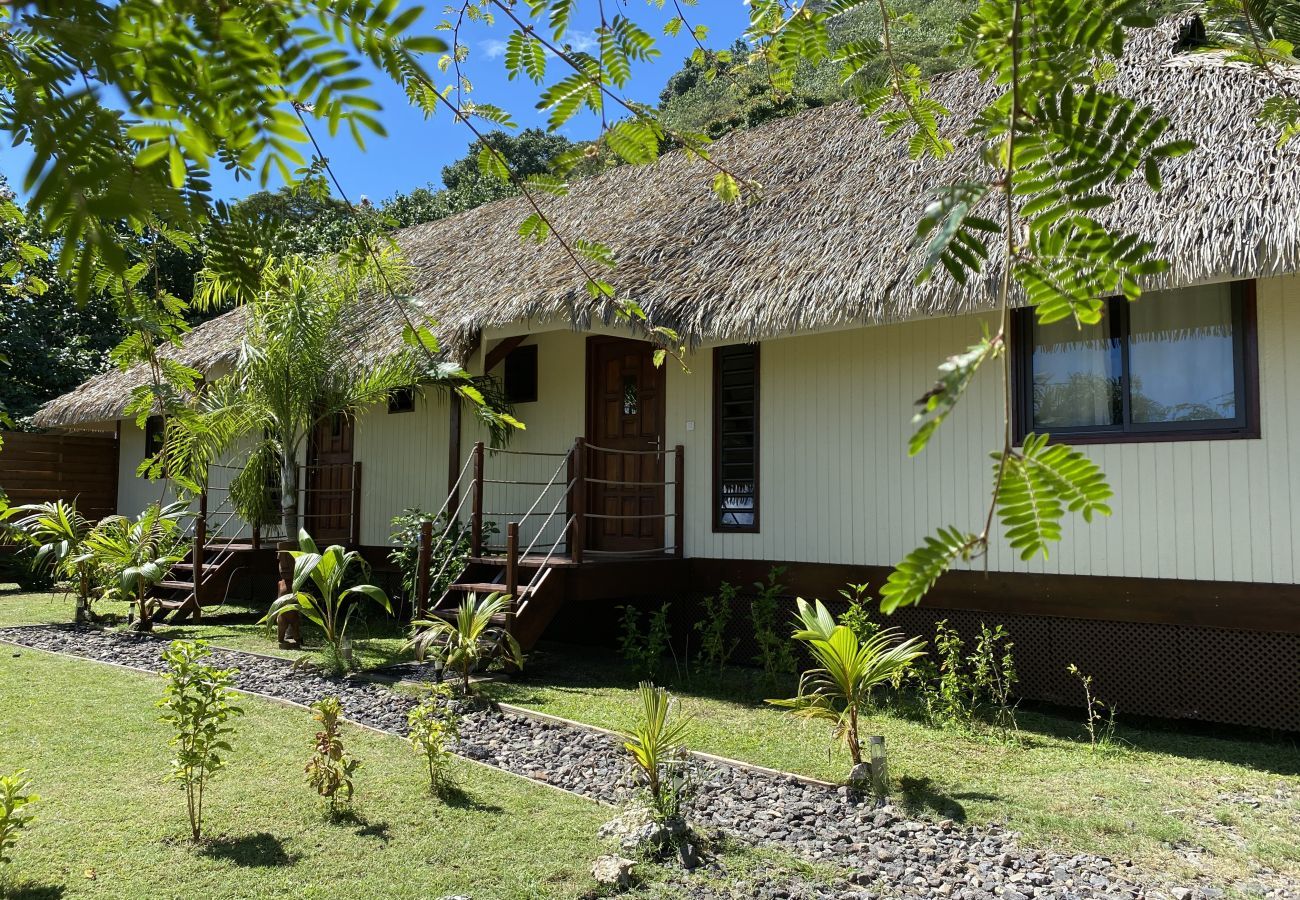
328	507
625	424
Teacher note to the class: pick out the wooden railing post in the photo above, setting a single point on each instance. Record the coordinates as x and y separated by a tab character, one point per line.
200	542
424	562
579	499
679	500
476	515
356	504
257	537
512	562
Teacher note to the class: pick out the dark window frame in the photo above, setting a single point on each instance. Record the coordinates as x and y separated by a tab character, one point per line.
154	435
719	527
1245	370
524	355
401	400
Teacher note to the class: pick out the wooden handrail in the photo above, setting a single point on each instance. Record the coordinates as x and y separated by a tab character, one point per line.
578	533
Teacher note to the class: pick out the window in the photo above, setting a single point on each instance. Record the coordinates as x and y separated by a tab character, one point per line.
154	435
735	438
1175	365
401	400
520	380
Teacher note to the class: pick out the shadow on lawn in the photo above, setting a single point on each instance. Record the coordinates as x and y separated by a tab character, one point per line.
568	668
920	795
32	891
255	851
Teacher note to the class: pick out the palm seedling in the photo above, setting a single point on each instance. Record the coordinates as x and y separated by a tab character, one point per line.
654	743
57	531
469	639
848	668
135	554
330	605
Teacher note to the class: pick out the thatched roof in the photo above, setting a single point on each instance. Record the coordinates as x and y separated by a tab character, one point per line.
830	242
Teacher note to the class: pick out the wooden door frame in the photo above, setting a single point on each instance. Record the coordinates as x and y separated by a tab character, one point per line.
312	461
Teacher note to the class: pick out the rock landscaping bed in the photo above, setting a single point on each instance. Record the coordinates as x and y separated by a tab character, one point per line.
885	852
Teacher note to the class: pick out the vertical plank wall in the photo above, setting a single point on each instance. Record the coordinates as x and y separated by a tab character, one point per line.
837	485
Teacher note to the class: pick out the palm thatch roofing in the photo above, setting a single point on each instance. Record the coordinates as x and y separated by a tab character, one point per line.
830	243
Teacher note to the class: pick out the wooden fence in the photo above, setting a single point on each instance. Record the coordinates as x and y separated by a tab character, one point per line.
73	467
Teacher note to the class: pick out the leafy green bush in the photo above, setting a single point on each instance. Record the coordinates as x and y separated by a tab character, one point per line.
470	640
774	651
644	652
328	607
448	554
715	650
857	617
434	725
197	703
967	689
655	745
131	556
15	811
331	768
839	688
55	532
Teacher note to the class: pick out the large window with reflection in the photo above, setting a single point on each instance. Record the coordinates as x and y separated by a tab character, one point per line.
735	438
1175	365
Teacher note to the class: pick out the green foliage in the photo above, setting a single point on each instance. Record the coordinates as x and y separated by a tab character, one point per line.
16	800
966	689
774	651
125	108
448	554
655	746
715	649
197	705
331	767
330	602
644	652
838	689
433	725
1099	718
857	618
55	531
1263	33
1039	483
130	556
470	640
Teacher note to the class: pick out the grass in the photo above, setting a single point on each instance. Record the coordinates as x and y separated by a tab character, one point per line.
1161	789
109	826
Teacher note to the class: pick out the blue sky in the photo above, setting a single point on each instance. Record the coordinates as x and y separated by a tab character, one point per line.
415	149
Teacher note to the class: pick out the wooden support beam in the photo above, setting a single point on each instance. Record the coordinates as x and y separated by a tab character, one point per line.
200	543
476	514
512	563
498	353
424	561
578	535
355	508
453	453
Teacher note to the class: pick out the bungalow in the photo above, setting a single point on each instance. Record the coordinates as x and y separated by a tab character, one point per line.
783	439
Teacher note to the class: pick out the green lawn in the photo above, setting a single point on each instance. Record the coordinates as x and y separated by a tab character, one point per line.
1131	803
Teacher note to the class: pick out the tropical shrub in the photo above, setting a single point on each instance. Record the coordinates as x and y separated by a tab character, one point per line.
644	651
197	703
655	746
839	688
774	652
965	689
433	726
331	768
131	556
330	604
15	811
715	649
470	640
858	617
55	531
448	554
1099	718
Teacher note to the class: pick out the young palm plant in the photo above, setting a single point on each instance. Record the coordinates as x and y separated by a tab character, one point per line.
57	531
134	555
848	668
330	606
470	639
655	744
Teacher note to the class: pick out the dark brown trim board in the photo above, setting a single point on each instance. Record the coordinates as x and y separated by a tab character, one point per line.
1244	606
715	495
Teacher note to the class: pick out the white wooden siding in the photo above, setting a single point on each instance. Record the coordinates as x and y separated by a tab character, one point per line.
837	486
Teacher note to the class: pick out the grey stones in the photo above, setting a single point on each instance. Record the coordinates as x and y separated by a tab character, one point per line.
613	871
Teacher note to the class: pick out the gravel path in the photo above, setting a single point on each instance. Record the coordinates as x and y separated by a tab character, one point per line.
889	854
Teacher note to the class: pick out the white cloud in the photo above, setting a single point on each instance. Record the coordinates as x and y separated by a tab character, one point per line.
493	49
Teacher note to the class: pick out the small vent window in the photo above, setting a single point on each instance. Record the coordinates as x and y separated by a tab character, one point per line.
735	438
401	400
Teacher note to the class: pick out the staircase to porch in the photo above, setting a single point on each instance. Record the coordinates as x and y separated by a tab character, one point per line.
552	536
